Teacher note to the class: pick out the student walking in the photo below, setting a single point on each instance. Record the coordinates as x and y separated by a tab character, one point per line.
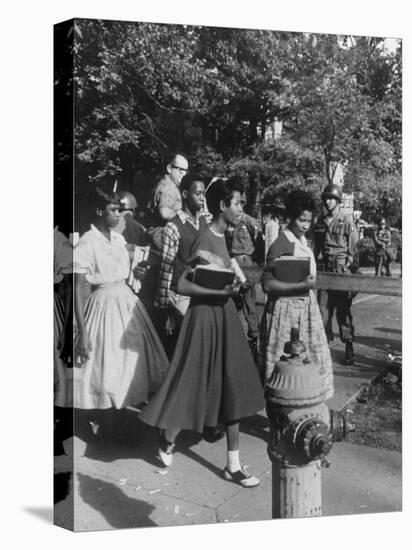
120	357
293	304
178	237
210	379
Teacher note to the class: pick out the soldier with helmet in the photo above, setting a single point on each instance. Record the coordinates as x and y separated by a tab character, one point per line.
132	230
335	240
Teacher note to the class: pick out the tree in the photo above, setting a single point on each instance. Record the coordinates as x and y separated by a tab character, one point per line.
143	89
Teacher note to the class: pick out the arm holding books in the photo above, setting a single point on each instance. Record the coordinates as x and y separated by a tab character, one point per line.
273	286
187	287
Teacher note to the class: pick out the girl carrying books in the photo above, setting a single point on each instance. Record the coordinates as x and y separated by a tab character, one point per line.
120	357
293	304
212	377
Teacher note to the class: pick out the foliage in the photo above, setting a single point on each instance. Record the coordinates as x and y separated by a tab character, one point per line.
366	249
144	89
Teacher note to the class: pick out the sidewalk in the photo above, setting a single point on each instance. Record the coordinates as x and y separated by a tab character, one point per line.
124	485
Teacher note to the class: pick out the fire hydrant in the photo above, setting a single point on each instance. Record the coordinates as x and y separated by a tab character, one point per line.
302	432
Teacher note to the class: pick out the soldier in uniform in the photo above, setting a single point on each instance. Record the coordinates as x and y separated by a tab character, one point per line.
335	240
132	231
241	241
383	256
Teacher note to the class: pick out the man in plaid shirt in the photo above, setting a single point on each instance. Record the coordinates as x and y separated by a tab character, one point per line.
177	239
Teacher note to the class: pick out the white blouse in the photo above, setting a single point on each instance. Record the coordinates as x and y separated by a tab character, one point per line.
301	249
100	259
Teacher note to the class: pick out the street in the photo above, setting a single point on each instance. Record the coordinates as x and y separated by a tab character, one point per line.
123	484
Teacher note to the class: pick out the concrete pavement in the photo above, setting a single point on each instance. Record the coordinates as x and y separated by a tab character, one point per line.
122	484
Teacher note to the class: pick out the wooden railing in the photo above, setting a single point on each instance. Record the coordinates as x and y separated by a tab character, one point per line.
368	284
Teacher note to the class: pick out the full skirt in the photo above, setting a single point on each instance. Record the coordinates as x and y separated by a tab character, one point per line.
127	362
212	376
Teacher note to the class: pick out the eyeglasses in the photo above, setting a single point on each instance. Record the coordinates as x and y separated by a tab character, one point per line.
179	168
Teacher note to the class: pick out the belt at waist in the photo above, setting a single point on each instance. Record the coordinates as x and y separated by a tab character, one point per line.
107	285
208	301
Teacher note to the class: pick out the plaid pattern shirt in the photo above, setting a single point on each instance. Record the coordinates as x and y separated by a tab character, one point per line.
170	247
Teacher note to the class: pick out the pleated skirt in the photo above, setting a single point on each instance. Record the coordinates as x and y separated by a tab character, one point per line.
127	362
212	376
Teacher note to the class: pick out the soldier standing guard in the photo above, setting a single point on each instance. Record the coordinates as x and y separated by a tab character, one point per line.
383	255
335	239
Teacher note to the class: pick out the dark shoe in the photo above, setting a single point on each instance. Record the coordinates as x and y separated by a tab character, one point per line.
211	435
166	449
349	360
241	477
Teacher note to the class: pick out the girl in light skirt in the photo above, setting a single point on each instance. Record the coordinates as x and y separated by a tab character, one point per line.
293	305
120	359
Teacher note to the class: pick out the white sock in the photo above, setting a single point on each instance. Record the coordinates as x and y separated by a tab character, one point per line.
233	462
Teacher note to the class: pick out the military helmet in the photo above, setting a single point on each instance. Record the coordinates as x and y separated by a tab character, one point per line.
127	200
332	191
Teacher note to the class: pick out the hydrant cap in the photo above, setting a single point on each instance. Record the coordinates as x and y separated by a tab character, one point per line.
295	381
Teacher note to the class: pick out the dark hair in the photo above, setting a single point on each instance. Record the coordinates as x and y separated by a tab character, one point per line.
188	180
297	202
100	198
221	190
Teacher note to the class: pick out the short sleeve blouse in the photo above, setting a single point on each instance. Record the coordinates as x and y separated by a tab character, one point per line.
288	245
100	259
215	245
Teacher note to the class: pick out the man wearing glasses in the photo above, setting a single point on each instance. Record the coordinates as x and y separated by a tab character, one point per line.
167	197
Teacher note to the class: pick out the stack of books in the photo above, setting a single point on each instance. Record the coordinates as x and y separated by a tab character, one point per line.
290	269
137	255
212	276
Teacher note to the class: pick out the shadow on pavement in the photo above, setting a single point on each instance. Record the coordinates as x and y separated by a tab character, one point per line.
119	510
45	514
61	488
256	426
130	438
379	343
389	330
362	366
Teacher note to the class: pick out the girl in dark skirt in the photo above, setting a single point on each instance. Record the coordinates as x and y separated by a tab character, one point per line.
212	378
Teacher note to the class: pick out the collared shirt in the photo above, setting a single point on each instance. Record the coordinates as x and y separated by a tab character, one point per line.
336	237
100	259
167	194
170	247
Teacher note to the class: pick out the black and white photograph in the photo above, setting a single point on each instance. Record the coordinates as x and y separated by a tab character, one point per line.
228	281
217	356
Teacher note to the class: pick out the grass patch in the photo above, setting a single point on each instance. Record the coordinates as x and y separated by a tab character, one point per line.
377	414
